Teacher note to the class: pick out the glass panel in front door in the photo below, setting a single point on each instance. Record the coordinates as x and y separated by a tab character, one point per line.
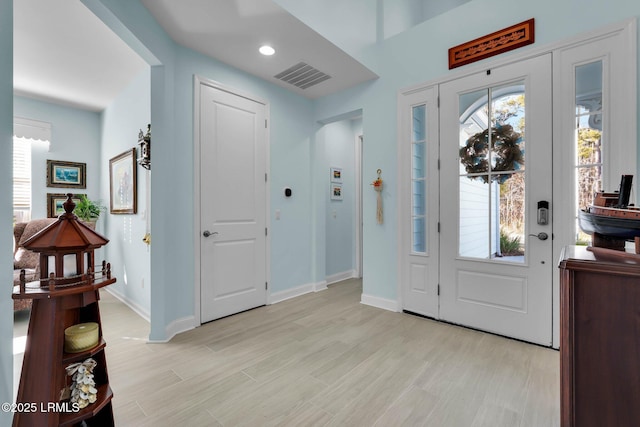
492	173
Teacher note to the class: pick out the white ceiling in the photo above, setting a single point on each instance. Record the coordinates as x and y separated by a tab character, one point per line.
233	30
65	54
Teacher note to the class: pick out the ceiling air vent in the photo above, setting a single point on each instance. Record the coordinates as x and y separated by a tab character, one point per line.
302	75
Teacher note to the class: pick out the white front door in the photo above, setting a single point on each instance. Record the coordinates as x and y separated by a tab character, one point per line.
496	265
233	143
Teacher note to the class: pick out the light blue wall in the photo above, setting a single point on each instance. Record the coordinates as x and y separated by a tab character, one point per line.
290	130
75	137
171	267
131	21
417	55
94	138
338	140
397	63
400	15
351	25
432	8
6	214
378	102
129	256
172	198
409	58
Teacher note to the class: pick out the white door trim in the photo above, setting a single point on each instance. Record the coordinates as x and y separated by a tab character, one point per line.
197	83
358	211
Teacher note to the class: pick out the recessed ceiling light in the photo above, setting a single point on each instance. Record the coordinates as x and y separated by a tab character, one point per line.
267	50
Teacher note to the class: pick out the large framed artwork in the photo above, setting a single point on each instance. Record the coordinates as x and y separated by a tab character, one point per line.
66	174
122	183
55	201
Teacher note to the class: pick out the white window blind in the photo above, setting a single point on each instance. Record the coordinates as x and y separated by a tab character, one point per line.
21	174
31	129
26	132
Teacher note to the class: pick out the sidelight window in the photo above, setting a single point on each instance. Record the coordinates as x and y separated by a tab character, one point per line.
418	179
588	137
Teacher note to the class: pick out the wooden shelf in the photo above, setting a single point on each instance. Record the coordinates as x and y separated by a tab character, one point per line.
44	361
64	300
104	397
68	358
34	291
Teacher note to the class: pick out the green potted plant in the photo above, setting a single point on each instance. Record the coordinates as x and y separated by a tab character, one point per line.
88	210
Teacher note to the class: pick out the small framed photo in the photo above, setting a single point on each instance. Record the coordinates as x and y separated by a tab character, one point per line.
336	175
55	201
66	174
122	183
336	191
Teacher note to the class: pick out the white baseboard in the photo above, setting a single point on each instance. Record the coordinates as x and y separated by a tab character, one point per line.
320	286
139	310
383	303
187	323
338	277
296	292
176	327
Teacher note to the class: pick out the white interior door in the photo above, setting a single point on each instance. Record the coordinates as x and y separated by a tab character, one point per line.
496	265
233	139
419	168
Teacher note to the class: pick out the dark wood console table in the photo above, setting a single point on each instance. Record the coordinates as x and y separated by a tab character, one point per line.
599	337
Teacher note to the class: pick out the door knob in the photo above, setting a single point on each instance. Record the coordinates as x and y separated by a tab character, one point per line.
207	233
542	235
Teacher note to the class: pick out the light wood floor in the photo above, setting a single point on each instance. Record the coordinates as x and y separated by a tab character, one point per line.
324	359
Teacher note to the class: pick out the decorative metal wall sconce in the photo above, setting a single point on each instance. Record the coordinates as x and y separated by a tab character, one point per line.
144	141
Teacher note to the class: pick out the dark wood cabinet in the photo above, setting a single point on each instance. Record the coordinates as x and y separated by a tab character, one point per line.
599	337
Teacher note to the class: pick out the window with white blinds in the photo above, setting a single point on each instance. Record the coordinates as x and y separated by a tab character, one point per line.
26	132
21	179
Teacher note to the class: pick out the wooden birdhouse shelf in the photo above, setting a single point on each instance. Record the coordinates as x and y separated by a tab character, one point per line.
66	294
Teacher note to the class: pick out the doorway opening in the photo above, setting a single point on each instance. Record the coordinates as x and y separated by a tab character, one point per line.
339	160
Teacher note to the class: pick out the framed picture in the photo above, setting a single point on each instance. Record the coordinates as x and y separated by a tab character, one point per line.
55	201
336	191
336	175
122	183
66	174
